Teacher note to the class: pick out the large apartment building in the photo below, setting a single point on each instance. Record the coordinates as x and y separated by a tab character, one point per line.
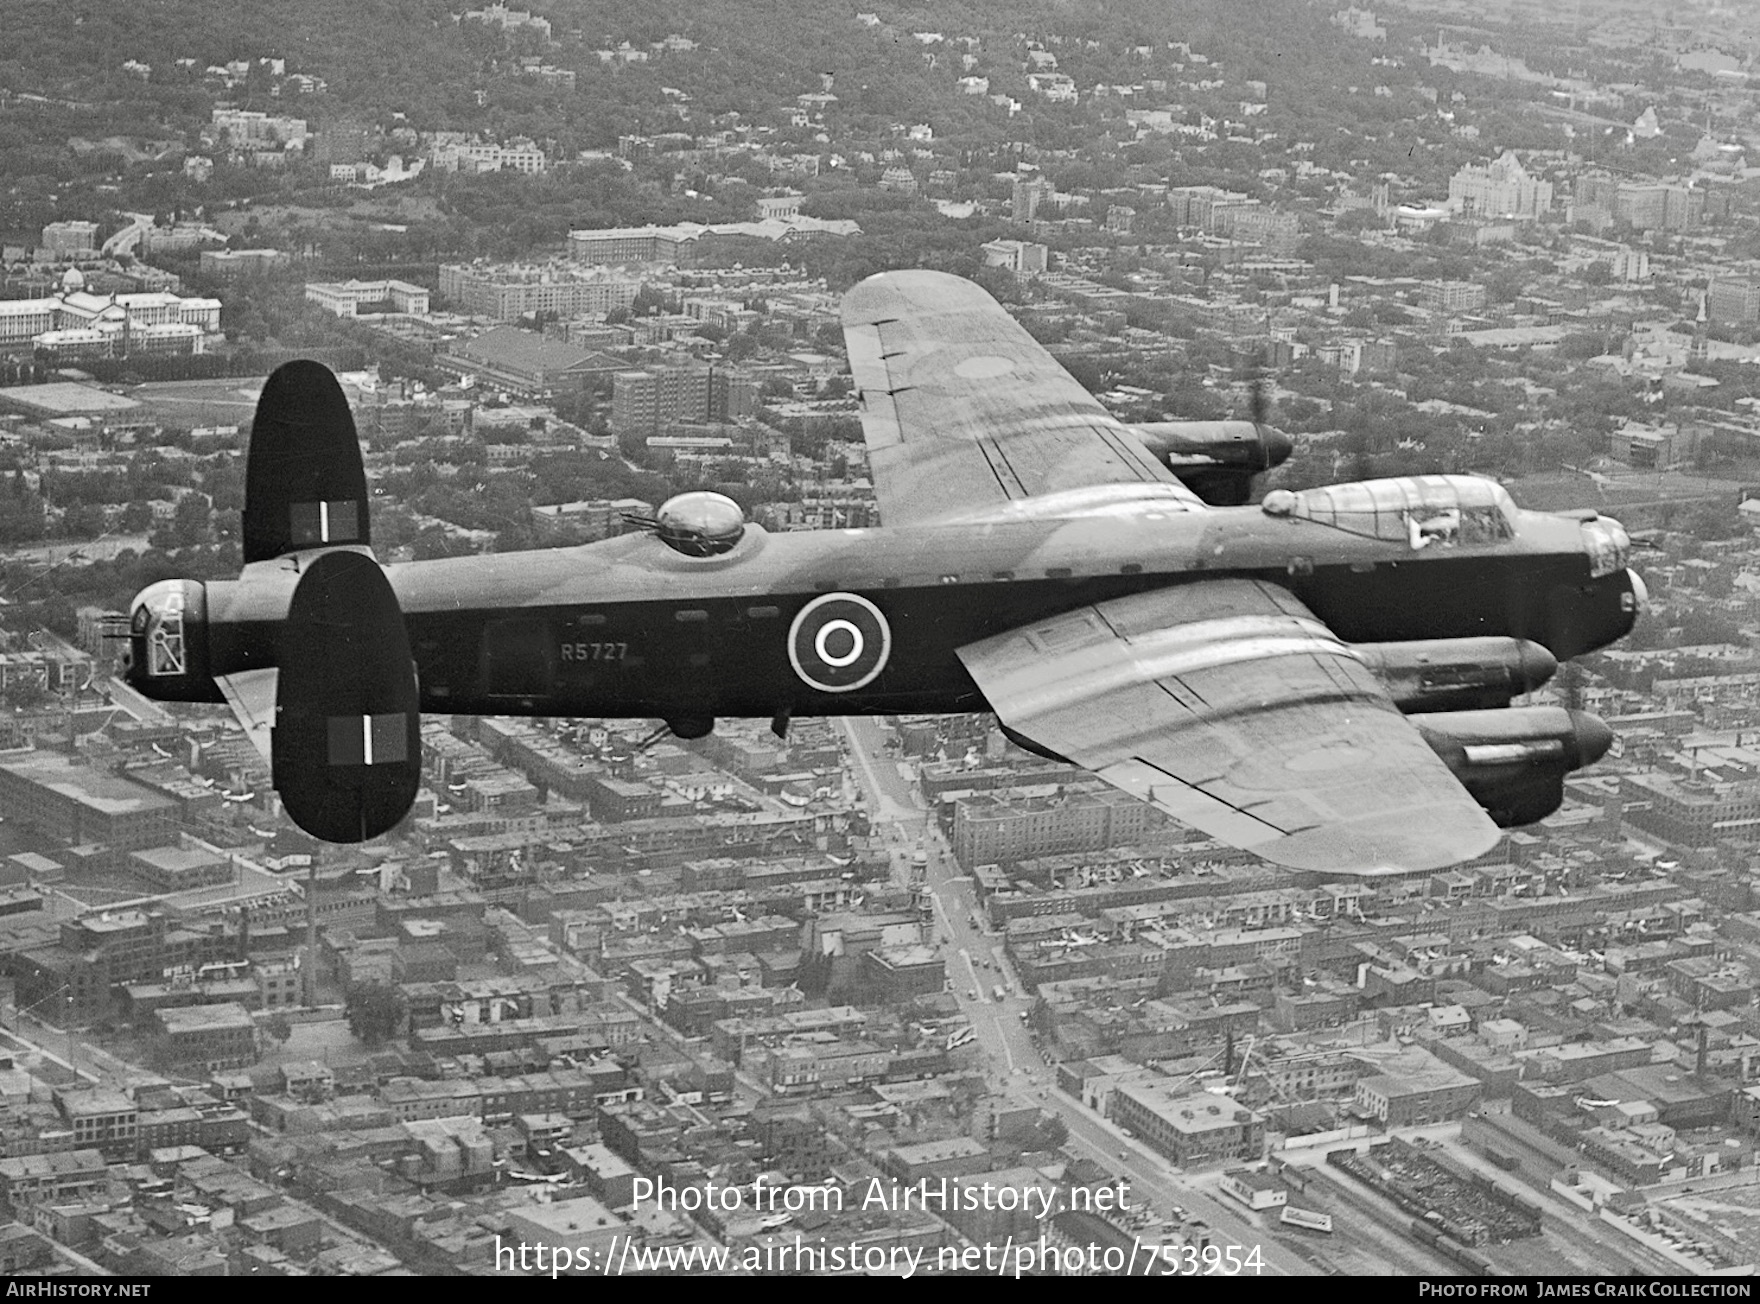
1005	828
1502	188
509	293
1604	200
651	399
348	298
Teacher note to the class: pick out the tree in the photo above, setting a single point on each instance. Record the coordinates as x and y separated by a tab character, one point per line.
25	695
188	528
83	521
1047	1132
434	543
374	1012
278	1028
137	518
21	514
1712	521
515	538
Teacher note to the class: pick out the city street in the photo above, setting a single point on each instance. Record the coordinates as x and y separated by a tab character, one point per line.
976	966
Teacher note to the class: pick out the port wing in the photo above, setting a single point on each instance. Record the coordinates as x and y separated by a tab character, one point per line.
962	409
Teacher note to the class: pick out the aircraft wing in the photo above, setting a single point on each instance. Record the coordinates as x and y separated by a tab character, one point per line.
1228	705
962	409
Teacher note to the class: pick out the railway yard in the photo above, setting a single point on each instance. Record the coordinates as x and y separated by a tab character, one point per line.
1485	1218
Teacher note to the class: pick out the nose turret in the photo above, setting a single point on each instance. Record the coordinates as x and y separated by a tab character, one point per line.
1608	545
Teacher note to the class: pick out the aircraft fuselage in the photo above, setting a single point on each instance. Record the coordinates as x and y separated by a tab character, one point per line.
850	622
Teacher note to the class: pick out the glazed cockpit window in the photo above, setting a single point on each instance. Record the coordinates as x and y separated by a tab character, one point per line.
1419	511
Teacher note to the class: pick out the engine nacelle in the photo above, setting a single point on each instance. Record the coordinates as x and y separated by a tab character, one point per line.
1514	761
1458	674
1216	460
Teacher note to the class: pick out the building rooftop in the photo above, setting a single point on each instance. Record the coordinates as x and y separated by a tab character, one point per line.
64	398
175	859
562	1217
510	346
98	789
66	1161
204	1018
932	1152
113	921
84	1104
1191	1112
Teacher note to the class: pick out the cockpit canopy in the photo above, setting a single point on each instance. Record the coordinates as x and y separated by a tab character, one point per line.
1419	510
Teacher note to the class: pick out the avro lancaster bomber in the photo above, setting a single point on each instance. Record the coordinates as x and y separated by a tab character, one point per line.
1325	679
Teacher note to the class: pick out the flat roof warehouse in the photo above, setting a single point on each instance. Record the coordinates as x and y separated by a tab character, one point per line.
64	399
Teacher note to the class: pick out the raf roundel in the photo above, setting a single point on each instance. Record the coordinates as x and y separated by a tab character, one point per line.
839	642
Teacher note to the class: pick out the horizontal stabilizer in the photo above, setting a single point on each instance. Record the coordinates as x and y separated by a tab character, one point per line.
251	695
347	736
304	484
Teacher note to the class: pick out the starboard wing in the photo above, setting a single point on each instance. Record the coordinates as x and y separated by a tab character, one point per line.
1230	706
962	409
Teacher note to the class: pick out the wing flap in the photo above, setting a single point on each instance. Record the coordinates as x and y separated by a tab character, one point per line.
1230	706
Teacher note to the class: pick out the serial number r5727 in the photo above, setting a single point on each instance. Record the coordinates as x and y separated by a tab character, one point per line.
594	651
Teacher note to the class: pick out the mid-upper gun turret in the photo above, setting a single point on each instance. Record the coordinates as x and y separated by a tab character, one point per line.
700	524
